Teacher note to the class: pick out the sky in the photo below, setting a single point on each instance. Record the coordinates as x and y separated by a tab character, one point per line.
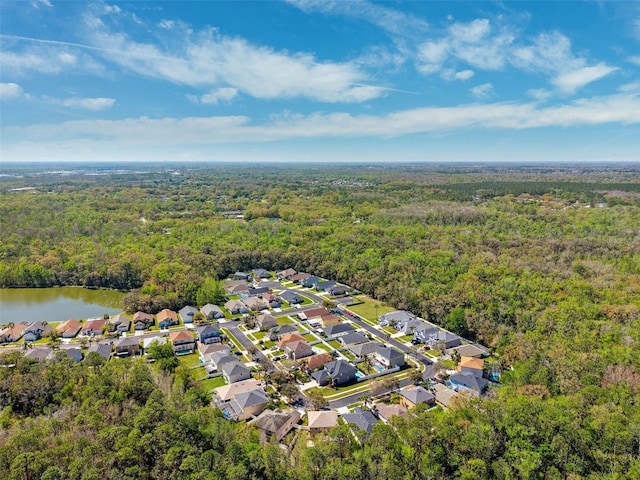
320	81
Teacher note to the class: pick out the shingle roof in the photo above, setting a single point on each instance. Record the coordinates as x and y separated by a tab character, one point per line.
322	419
417	395
354	338
363	419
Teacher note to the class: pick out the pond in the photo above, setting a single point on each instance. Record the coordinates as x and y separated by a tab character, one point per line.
57	304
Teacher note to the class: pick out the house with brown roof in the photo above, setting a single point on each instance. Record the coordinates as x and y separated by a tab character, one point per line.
241	400
13	333
206	350
472	366
265	321
318	361
297	350
69	328
291	337
299	277
254	303
330	320
235	307
183	342
93	327
166	318
384	412
444	395
275	423
287	273
142	320
128	346
120	323
321	421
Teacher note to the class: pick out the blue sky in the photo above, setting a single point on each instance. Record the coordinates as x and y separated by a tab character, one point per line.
320	81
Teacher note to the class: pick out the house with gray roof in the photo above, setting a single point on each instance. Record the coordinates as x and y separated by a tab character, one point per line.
339	330
388	357
398	316
261	273
311	281
362	420
120	323
278	332
275	424
291	297
242	276
127	346
74	353
186	313
208	334
264	321
322	377
235	372
258	291
102	349
341	372
254	303
353	338
236	307
35	331
466	382
326	285
212	312
245	405
361	350
298	350
219	359
410	397
40	353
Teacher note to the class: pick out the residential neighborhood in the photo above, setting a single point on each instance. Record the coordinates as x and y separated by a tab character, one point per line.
277	343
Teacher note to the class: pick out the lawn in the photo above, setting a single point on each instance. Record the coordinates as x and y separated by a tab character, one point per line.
367	309
259	335
310	337
306	300
335	344
283	321
190	361
198	373
268	344
349	355
406	338
211	383
324	347
232	338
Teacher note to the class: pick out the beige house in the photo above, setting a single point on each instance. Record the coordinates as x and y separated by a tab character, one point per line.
321	421
275	424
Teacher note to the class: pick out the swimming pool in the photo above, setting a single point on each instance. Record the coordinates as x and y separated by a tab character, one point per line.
359	374
318	350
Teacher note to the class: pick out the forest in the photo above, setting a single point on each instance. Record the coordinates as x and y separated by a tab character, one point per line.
539	263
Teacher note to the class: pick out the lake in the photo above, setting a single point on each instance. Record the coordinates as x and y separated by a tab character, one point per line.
57	304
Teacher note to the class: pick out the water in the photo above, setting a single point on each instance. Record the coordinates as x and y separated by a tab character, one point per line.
56	304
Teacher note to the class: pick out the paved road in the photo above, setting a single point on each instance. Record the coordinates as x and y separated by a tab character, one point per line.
246	343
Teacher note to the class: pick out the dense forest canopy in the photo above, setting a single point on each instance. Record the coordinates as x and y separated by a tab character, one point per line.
540	263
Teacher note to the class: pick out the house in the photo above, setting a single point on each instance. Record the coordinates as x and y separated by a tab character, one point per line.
166	318
258	291
93	327
254	303
275	424
235	372
265	321
444	395
317	361
270	284
205	351
362	420
148	341
212	312
385	412
320	421
469	350
142	321
186	314
238	289
330	320
13	333
353	338
102	349
423	332
236	307
272	300
341	372
361	350
398	316
289	338
298	350
260	273
183	342
288	273
227	393
40	354
339	330
336	290
325	286
466	382
471	366
69	329
277	333
291	297
221	358
229	284
444	338
409	327
246	405
311	281
242	276
412	396
322	377
299	277
128	346
74	353
388	358
35	331
208	334
120	323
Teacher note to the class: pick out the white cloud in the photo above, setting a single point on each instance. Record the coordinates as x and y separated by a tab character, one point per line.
48	57
431	56
215	96
569	82
94	104
482	91
10	90
539	94
630	87
450	74
635	59
393	21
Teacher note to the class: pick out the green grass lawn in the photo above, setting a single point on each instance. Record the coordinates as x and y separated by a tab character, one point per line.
283	321
306	300
198	373
259	335
190	361
211	383
367	309
335	344
233	339
389	330
268	344
348	354
310	337
406	338
449	364
323	347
